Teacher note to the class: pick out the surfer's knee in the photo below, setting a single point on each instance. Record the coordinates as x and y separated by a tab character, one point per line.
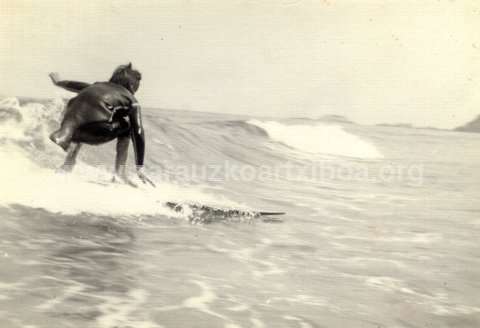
61	138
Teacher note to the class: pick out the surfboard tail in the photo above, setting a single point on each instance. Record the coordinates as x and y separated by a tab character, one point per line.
271	213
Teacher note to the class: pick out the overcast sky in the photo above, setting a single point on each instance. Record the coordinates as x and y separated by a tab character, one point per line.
372	61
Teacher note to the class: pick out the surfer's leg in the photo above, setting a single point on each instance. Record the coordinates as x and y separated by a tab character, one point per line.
122	155
63	136
84	121
71	157
123	142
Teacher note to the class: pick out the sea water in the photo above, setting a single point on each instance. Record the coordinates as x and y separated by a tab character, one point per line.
382	226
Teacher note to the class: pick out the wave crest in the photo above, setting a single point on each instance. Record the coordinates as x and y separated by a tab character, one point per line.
319	138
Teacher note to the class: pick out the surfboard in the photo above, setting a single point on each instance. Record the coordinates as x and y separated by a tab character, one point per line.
208	214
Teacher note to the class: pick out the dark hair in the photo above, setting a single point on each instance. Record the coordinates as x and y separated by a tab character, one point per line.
127	77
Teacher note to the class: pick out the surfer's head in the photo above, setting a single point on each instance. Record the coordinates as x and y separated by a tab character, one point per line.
127	77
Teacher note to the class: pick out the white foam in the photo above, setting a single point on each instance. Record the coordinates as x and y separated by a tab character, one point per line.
26	183
319	138
32	115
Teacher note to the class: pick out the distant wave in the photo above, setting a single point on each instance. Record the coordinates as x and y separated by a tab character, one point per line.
319	138
240	124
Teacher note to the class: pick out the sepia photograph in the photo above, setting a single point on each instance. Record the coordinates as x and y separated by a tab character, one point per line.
240	164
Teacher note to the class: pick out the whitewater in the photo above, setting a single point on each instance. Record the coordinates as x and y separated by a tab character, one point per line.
381	226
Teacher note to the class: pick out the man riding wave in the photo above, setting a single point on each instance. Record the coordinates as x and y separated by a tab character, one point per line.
102	112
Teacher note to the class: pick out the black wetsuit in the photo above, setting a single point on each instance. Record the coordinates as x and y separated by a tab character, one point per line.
100	113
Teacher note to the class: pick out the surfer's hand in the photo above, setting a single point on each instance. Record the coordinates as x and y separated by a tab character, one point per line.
143	177
55	77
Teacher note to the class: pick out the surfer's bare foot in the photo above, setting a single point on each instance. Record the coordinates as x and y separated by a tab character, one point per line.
65	168
123	179
143	177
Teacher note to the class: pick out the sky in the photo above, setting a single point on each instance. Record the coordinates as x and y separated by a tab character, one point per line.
373	61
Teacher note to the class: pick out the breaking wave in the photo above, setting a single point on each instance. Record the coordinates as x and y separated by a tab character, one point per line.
30	159
319	138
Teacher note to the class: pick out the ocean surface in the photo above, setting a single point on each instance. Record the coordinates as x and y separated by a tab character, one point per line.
382	225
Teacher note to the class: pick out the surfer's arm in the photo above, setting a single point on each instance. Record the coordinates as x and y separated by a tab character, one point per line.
137	134
73	86
138	140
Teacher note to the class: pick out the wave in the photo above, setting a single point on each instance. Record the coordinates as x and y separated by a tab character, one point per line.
319	139
29	179
183	142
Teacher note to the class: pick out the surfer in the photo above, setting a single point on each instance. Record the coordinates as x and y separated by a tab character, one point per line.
102	112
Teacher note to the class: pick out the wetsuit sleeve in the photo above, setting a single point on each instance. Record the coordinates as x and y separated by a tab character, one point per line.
137	133
73	86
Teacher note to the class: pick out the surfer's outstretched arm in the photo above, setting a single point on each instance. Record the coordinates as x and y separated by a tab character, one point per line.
73	86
